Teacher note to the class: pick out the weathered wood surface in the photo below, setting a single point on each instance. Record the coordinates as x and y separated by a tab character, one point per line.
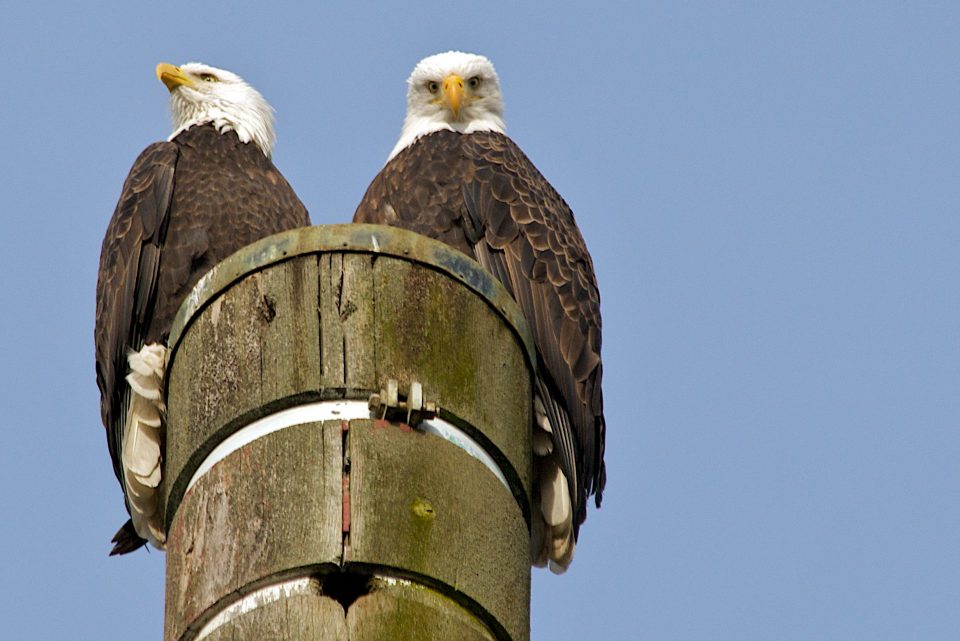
347	305
401	612
414	613
428	327
245	356
422	505
253	350
302	617
332	313
267	509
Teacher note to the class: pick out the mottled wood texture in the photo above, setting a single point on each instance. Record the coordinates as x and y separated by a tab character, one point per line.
379	317
347	304
302	617
330	323
420	504
403	612
427	327
251	351
272	507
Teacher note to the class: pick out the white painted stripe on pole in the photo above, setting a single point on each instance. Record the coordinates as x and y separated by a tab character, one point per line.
391	581
336	410
309	413
461	439
256	599
272	593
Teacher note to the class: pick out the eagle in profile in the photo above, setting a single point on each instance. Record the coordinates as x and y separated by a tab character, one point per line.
186	204
455	176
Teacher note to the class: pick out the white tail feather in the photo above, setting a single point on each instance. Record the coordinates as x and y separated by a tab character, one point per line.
143	386
142	453
146	496
138	365
554	496
552	543
148	412
542	443
561	553
540	414
151	421
155	356
141	444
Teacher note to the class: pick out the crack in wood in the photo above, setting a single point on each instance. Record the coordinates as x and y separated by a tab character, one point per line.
347	310
268	308
343	340
340	289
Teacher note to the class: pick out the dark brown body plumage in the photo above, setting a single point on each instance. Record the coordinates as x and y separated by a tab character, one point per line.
186	205
480	194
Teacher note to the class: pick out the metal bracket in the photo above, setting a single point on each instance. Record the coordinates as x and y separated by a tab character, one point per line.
411	409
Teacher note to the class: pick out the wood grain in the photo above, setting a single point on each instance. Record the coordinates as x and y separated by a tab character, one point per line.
320	321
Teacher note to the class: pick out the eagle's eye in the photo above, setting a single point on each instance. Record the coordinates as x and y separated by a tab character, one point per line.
208	77
474	82
433	86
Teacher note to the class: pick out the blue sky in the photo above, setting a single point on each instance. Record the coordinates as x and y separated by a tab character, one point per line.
770	195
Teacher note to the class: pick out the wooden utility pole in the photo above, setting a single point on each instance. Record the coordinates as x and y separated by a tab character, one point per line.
296	506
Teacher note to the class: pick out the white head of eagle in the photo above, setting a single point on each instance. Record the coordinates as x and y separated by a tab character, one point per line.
455	91
201	94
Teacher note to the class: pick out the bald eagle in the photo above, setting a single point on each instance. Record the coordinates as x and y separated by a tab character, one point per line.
187	204
455	176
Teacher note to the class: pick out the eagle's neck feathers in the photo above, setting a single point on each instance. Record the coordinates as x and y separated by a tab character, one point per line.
249	115
417	125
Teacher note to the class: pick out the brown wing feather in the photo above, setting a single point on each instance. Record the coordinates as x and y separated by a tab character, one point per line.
531	235
185	206
127	282
480	194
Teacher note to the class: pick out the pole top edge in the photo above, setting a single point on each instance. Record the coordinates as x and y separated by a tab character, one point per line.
352	238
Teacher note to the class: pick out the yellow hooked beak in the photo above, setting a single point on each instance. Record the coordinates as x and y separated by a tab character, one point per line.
171	76
453	93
